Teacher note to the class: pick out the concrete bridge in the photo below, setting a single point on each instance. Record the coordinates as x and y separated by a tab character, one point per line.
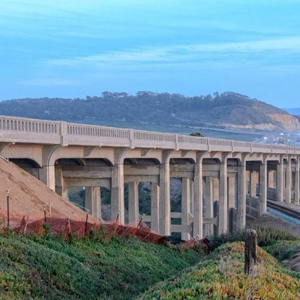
222	181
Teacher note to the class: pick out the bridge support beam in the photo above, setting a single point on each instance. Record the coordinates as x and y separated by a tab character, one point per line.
223	210
59	181
164	200
198	200
47	176
242	195
155	207
289	180
253	184
93	201
192	194
117	193
271	181
280	181
231	192
216	184
263	183
185	207
297	191
133	203
209	204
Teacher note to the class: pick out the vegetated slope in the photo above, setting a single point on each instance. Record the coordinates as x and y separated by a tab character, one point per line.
222	277
120	109
49	268
29	196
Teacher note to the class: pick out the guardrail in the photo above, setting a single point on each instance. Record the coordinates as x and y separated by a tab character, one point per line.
24	130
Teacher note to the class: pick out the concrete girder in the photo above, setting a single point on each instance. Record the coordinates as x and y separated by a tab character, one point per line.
76	182
16	151
75	152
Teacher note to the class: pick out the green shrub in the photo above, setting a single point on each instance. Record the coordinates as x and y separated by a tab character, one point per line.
48	267
265	237
283	250
221	276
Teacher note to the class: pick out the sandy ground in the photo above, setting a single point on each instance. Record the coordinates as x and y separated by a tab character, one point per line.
29	196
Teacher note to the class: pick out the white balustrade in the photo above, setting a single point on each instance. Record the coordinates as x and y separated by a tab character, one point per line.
14	129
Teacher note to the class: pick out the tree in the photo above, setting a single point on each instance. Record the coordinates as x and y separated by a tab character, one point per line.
199	134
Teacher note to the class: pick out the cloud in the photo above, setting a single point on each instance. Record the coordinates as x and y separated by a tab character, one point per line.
184	53
48	82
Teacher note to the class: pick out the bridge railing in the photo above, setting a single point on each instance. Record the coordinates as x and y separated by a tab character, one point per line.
13	129
29	130
28	125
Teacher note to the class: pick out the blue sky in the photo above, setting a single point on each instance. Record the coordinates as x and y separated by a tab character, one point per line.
78	48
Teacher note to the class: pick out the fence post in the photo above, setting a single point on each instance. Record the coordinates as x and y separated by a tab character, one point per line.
7	203
86	225
250	252
45	214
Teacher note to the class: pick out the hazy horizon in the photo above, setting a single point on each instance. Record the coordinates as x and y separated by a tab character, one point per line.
72	49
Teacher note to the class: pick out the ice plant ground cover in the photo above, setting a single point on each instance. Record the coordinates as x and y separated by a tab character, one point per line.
42	266
221	276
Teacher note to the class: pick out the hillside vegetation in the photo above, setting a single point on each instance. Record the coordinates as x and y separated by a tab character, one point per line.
151	109
41	266
221	276
44	267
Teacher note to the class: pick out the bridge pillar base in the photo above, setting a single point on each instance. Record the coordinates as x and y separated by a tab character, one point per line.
209	205
133	203
185	207
117	193
47	176
93	201
155	207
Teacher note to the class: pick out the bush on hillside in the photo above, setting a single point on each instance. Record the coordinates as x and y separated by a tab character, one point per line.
221	276
42	266
265	237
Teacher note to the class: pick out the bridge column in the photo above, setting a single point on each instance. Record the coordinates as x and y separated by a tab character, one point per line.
253	184
223	210
209	204
59	181
154	207
192	192
117	193
242	195
297	193
216	184
164	198
280	180
47	176
271	179
289	181
231	191
93	201
185	207
133	204
263	183
198	200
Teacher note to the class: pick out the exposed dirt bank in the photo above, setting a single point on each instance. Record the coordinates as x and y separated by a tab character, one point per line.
29	196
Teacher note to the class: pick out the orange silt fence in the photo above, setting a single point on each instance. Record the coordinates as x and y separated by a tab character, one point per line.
61	226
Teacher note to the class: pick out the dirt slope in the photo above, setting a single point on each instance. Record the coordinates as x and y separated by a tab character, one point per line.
29	196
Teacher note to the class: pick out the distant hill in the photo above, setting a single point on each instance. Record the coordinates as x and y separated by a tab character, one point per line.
148	109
